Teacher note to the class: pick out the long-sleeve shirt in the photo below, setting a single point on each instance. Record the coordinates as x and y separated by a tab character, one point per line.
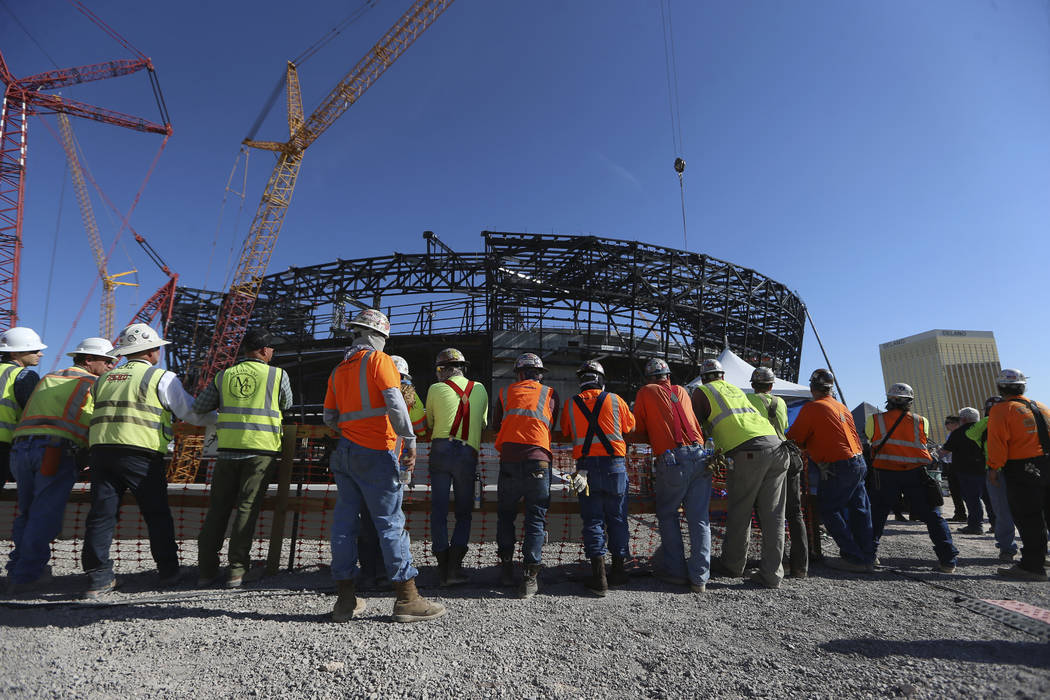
208	400
824	428
174	397
393	399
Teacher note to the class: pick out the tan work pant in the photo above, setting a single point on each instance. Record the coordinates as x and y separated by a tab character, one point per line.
756	482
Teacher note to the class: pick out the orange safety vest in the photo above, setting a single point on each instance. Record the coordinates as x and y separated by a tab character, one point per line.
527	414
906	448
462	410
596	419
362	409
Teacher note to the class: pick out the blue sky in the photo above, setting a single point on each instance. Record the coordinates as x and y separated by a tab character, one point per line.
887	160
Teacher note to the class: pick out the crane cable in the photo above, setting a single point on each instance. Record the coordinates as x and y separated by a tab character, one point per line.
674	105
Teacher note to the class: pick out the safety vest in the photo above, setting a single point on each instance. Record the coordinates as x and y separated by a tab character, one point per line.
770	404
462	417
602	422
249	407
60	405
10	411
417	413
362	409
906	448
733	419
527	414
128	410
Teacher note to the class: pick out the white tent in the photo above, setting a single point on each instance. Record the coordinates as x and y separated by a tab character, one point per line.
738	373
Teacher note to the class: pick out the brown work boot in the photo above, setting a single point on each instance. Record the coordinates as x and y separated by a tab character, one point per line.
442	559
456	575
618	574
409	606
596	583
530	585
347	605
506	571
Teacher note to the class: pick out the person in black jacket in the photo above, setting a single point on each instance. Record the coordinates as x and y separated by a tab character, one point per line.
970	470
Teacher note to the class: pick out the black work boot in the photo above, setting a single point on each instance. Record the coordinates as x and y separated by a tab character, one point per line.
347	605
456	575
618	574
442	558
531	583
596	583
506	571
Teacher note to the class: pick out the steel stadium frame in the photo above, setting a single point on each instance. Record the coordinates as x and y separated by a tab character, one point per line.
567	298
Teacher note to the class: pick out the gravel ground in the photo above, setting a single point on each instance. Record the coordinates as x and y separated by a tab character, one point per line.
832	635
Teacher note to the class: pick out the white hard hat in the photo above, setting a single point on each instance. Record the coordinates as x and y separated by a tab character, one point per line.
1006	377
373	320
20	339
900	391
969	415
656	367
401	364
711	367
138	337
99	347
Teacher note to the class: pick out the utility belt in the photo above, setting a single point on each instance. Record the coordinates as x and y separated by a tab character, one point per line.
667	458
452	440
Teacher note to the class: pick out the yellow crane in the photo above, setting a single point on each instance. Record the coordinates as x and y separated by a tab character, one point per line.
87	213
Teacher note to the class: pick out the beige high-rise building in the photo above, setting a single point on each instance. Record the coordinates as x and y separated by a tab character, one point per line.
947	369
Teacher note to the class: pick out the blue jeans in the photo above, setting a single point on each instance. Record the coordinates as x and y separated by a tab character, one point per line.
972	487
606	506
685	484
453	464
1005	538
529	481
891	485
41	504
846	511
367	477
114	470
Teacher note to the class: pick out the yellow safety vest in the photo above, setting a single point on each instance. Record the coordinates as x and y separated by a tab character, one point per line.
10	411
128	410
249	407
60	405
733	419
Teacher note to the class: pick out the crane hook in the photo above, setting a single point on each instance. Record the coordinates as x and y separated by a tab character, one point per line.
679	165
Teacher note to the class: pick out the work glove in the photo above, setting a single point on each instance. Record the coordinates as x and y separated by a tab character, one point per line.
578	482
718	463
825	470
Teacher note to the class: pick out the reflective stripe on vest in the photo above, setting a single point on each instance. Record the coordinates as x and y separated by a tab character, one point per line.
538	413
242	433
362	385
10	411
56	406
915	443
593	429
462	410
119	405
747	423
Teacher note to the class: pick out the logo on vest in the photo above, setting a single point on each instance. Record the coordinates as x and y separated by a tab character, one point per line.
243	386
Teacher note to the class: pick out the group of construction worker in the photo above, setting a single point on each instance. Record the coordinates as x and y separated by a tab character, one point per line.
118	420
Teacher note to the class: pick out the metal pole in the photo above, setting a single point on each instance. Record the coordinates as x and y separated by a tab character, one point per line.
823	352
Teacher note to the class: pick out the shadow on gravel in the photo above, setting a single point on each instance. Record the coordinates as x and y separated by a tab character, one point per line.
1032	654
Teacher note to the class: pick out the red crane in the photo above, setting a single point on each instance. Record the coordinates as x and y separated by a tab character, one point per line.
22	98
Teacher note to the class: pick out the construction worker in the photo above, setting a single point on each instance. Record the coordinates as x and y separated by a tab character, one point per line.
365	405
774	409
665	419
968	465
1019	453
47	442
898	438
250	397
596	421
756	481
949	474
457	412
20	349
416	409
130	432
824	428
1003	526
525	412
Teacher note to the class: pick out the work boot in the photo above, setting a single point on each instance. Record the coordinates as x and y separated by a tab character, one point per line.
596	582
442	558
618	574
409	606
347	605
456	575
531	583
506	571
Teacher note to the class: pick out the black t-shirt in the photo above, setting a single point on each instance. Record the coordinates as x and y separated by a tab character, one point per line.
967	455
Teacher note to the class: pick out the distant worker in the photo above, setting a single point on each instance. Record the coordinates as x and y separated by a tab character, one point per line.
1019	451
457	412
774	409
250	397
20	349
948	472
665	420
596	422
898	438
130	432
756	481
525	413
824	428
53	430
364	404
1005	539
970	470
